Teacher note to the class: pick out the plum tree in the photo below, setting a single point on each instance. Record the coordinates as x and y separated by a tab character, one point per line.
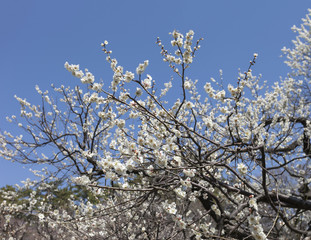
223	163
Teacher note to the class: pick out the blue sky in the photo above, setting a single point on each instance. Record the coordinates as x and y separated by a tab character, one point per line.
38	37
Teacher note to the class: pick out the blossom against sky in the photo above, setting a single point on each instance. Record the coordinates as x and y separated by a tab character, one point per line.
38	37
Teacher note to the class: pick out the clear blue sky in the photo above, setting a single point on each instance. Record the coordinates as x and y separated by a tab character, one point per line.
37	37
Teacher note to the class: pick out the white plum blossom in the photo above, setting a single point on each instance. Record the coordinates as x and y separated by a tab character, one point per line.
88	78
189	172
253	203
83	180
138	92
180	193
170	207
141	67
40	216
128	76
256	227
176	161
189	105
242	168
147	83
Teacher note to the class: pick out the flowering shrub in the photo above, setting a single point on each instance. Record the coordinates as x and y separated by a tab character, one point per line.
223	163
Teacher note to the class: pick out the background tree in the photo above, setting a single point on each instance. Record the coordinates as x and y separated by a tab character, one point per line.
299	57
226	163
23	224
